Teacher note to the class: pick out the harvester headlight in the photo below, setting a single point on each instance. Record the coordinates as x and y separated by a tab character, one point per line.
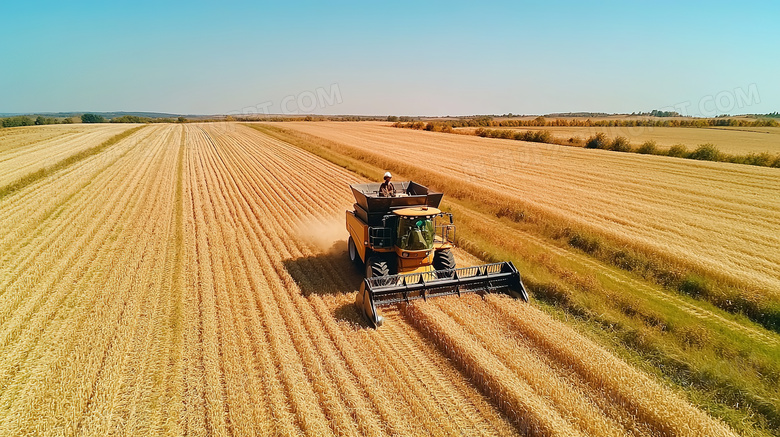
405	255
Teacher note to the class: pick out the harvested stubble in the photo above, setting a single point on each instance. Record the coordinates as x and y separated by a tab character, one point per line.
164	288
28	149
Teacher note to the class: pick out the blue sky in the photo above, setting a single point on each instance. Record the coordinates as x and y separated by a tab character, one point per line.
379	58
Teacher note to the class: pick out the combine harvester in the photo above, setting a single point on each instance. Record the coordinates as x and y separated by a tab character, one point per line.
405	244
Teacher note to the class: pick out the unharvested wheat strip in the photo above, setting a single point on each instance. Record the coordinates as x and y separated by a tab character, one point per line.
313	423
172	400
166	397
523	362
170	396
59	307
106	402
532	414
655	405
475	309
59	369
480	417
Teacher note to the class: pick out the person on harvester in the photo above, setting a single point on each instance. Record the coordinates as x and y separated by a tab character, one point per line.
387	189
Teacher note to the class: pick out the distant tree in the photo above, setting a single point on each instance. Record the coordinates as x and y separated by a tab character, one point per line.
68	120
647	148
131	119
21	120
182	119
92	118
598	141
678	150
706	152
392	118
620	144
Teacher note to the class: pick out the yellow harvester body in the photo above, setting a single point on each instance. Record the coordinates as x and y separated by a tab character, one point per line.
404	243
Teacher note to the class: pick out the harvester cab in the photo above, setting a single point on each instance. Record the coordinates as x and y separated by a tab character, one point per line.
404	243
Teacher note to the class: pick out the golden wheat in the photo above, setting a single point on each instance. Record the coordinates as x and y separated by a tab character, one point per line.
33	148
167	288
717	217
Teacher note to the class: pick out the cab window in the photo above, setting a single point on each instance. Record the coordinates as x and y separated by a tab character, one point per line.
415	233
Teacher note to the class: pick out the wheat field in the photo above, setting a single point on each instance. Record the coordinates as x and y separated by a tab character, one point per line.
717	216
26	150
191	280
731	140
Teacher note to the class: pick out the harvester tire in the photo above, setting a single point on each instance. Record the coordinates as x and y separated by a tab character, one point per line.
443	260
352	251
376	266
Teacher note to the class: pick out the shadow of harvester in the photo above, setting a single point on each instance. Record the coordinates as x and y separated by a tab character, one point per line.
330	274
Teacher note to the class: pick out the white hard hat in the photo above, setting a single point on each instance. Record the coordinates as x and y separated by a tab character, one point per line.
388	175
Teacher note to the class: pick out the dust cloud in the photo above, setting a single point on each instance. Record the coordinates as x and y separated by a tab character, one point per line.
325	235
